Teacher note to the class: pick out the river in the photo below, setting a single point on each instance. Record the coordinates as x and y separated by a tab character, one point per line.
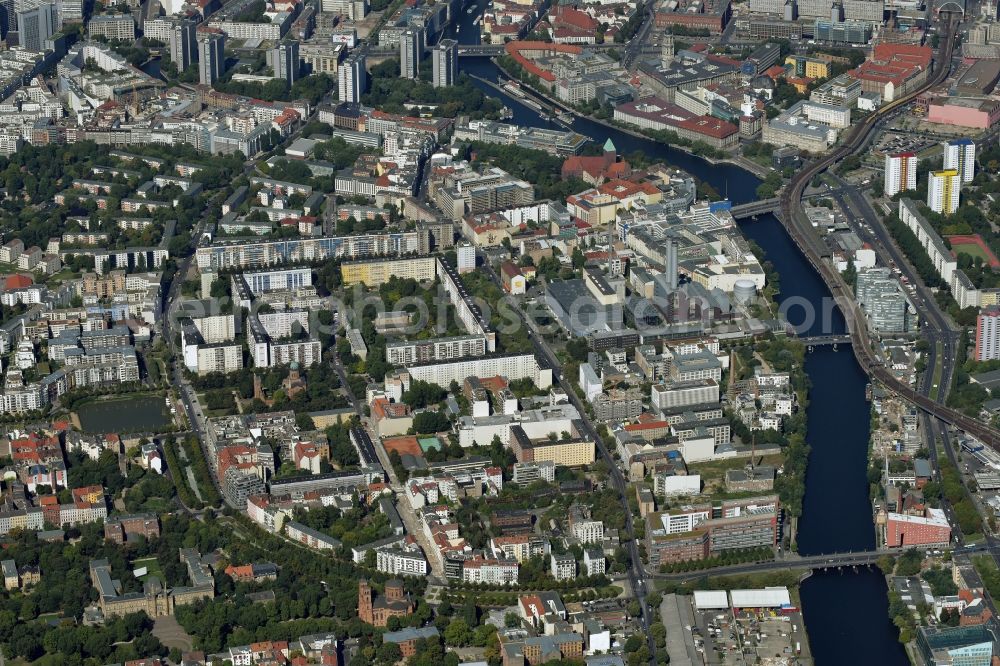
846	614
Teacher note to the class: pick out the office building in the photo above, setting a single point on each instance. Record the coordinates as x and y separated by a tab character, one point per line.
411	49
36	26
183	44
684	394
842	32
706	530
211	55
670	271
68	11
960	156
988	334
966	645
884	301
353	78
445	63
112	26
943	188
839	91
320	58
285	61
900	173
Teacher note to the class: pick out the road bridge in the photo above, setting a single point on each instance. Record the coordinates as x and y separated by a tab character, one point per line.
789	561
825	340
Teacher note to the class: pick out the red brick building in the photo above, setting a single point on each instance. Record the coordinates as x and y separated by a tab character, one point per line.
122	529
377	610
930	529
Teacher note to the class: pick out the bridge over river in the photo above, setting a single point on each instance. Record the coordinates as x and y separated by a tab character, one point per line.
790	561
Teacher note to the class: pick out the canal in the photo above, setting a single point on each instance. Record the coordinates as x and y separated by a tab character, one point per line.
846	614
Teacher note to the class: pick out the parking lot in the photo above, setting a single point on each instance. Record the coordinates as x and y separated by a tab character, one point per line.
764	637
891	142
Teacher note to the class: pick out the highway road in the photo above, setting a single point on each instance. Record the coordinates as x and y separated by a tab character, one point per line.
801	232
635	45
936	326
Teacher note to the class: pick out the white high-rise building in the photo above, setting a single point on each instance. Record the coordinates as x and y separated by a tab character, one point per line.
211	55
411	49
466	258
900	173
943	189
960	155
445	63
353	78
988	335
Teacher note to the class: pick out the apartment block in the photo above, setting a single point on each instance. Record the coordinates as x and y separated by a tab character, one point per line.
435	349
988	334
377	273
900	173
960	155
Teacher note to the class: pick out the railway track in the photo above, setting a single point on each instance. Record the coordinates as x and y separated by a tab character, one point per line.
801	233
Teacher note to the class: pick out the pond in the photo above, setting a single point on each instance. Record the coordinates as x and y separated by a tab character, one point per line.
143	413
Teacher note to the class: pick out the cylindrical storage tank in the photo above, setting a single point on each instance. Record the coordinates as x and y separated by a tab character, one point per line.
744	291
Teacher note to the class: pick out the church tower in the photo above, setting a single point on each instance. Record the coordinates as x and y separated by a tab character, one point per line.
365	612
666	50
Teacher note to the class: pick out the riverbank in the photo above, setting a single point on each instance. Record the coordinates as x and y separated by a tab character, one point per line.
758	170
838	415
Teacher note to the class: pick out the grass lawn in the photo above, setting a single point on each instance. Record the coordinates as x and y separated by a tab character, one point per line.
153	566
156	505
713	474
972	250
63	275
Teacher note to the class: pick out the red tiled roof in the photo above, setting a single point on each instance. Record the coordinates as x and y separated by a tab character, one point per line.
568	17
514	50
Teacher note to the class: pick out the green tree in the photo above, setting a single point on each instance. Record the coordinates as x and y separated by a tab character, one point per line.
458	633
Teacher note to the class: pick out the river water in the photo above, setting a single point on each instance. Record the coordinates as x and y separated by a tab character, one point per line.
846	614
